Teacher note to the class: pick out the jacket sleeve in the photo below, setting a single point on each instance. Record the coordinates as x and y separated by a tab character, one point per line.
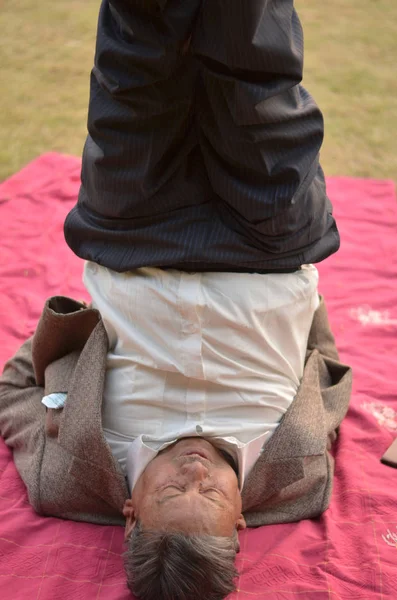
260	130
22	415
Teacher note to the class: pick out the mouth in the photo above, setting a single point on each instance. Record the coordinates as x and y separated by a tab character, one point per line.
199	454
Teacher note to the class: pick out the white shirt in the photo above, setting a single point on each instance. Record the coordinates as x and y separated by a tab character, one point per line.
216	355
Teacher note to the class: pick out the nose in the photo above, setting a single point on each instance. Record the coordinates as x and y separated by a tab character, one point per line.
195	471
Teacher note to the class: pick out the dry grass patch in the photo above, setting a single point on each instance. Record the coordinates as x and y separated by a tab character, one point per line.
351	51
46	53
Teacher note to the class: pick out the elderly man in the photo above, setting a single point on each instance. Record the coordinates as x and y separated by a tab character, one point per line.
201	391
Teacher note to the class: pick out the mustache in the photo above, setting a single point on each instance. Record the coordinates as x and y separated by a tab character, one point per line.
191	458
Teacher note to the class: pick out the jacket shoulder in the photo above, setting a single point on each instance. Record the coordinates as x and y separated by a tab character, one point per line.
43	363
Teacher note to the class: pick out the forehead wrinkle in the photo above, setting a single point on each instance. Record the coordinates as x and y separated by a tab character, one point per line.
187	521
163	501
206	517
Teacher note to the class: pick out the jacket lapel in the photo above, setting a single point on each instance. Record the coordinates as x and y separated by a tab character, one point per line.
110	485
69	351
301	433
80	431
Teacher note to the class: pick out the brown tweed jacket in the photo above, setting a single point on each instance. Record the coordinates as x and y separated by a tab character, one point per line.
68	467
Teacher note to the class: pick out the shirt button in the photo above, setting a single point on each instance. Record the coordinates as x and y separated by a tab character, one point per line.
190	328
199	429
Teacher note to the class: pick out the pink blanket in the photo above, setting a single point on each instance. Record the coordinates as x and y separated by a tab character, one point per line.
348	553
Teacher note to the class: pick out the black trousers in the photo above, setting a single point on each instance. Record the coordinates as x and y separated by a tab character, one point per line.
203	146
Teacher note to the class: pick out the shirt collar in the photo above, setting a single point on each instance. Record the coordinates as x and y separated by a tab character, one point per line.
145	448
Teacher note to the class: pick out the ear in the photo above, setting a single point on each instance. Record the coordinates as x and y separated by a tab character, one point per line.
129	513
240	523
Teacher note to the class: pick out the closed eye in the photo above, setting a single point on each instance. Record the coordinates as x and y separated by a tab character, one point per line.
177	491
173	487
210	494
211	491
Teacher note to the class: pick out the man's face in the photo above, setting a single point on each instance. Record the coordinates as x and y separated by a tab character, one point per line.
188	487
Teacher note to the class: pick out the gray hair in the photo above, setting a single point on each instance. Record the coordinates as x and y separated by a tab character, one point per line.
162	565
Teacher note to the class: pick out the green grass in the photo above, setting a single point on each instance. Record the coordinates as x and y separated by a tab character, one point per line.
350	68
46	53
